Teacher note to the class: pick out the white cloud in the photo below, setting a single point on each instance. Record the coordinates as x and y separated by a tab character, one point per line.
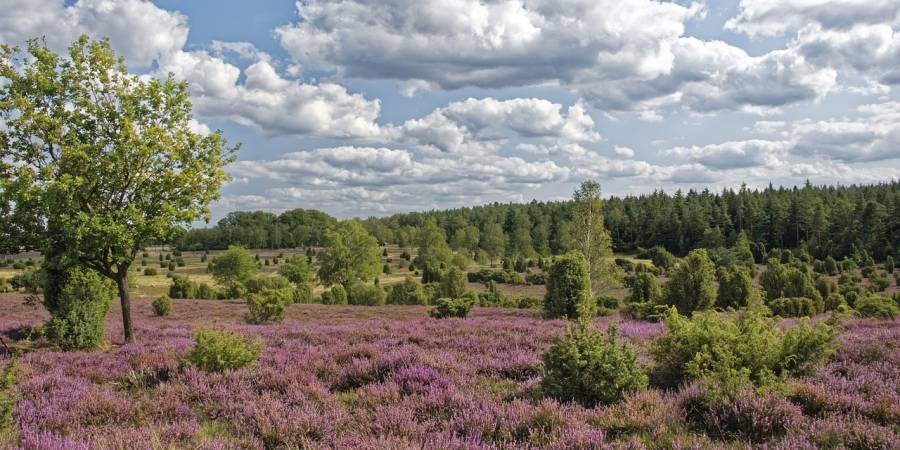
270	102
478	125
769	17
624	151
137	29
733	154
455	43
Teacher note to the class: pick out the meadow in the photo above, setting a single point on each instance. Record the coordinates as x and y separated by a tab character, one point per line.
334	376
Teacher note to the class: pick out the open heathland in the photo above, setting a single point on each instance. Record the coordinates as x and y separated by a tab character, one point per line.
332	376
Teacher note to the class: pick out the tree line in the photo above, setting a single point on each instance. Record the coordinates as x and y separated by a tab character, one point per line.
834	221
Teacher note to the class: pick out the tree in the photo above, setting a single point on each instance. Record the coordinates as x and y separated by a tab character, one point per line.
592	238
644	288
735	287
569	288
493	241
350	254
453	284
691	286
235	265
95	162
434	253
296	269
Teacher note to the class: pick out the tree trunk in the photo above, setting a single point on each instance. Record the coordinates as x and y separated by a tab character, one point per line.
122	283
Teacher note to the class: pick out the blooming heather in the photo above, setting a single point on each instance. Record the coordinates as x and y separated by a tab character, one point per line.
335	376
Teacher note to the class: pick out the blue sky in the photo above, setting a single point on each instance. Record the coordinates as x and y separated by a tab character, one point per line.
373	107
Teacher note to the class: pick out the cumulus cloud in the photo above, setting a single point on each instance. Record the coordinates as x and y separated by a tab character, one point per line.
474	125
455	43
136	29
602	50
270	102
767	17
874	136
733	154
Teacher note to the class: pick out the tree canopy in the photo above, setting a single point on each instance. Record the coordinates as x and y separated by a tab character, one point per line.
96	162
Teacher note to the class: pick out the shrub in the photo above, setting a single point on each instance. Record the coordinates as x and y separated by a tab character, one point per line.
661	258
644	288
453	284
826	286
889	264
796	306
303	293
691	286
504	276
644	311
880	281
538	278
182	287
5	286
386	268
150	272
162	306
491	297
568	288
337	295
835	302
451	307
831	266
261	283
877	306
733	351
530	303
171	266
221	350
366	294
783	280
605	305
268	305
408	292
735	287
77	318
235	264
585	366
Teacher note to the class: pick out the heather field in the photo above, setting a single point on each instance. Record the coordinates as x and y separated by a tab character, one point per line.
390	377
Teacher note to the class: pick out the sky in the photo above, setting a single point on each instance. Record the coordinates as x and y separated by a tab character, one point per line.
369	108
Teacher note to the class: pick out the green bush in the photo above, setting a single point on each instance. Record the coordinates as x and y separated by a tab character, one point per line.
796	307
303	293
787	280
735	287
77	319
451	307
337	295
221	350
150	272
366	294
182	287
568	288
585	366
408	292
826	286
736	350
644	311
268	305
644	288
5	286
539	278
261	283
492	297
835	302
453	284
606	305
529	303
877	306
162	306
691	285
